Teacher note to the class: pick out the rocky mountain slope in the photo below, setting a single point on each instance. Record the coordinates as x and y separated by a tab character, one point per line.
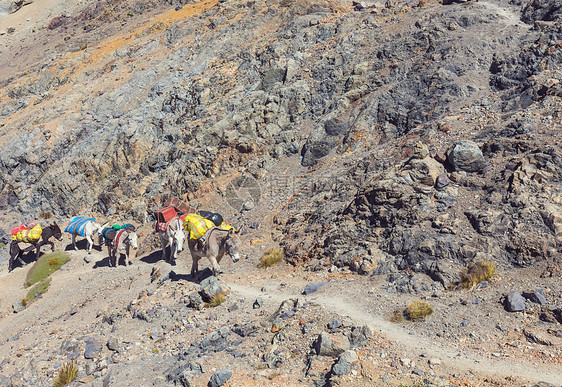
388	144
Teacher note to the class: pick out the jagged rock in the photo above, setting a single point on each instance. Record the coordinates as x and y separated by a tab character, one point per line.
536	297
216	340
246	330
113	344
551	315
183	373
334	324
514	302
543	10
360	336
258	303
195	300
93	348
536	338
311	288
420	151
330	345
220	377
211	286
466	156
18	306
344	363
442	181
426	170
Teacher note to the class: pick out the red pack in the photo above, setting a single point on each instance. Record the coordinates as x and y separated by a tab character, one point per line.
163	216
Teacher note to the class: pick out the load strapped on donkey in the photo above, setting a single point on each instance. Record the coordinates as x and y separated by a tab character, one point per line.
197	225
27	233
172	208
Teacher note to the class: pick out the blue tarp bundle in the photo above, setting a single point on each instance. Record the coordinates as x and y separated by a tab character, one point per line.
77	225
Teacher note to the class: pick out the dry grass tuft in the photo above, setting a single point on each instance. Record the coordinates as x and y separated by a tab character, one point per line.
46	215
418	310
476	273
67	374
397	316
36	291
217	299
271	257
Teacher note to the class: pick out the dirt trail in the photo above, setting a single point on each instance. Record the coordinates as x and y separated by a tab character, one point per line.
506	15
339	297
455	359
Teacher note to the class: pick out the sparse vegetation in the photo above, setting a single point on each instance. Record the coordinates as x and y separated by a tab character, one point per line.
477	272
216	300
273	375
418	310
67	374
46	215
45	266
397	316
38	289
271	257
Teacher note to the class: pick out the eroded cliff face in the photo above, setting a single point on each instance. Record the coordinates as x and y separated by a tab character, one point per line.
111	106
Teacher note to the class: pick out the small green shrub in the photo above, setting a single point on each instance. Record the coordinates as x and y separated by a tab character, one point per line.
477	272
45	266
418	310
217	299
40	288
271	257
67	374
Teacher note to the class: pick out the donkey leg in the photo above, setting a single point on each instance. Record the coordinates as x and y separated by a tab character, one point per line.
127	262
90	243
216	267
109	254
195	266
163	244
74	241
15	252
173	248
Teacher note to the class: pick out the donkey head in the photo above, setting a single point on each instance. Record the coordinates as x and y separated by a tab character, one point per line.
232	245
56	231
179	237
133	240
99	229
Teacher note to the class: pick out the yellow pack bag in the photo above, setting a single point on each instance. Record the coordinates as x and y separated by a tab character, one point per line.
196	225
226	226
29	236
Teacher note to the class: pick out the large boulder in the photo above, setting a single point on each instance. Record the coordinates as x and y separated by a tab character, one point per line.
514	302
220	377
344	363
466	156
211	286
331	345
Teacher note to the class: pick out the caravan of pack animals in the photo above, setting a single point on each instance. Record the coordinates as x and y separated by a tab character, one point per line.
208	235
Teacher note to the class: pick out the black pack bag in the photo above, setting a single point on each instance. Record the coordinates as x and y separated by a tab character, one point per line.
214	217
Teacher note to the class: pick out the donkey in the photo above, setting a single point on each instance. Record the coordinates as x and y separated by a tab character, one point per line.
217	244
173	236
16	252
123	241
85	227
